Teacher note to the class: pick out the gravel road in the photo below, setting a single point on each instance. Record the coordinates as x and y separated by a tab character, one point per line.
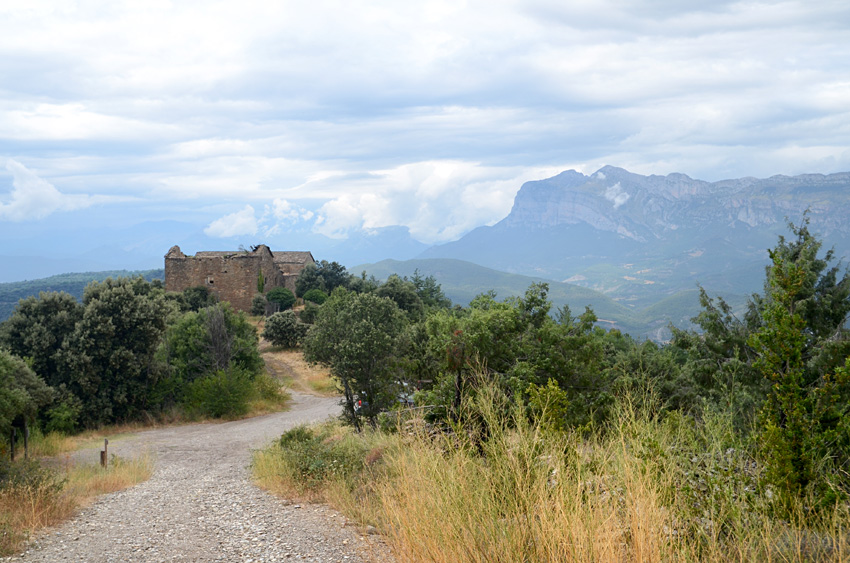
200	505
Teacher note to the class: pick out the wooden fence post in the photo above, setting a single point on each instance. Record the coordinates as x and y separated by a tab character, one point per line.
104	460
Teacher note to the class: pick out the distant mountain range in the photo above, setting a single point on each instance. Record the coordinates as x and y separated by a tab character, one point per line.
640	239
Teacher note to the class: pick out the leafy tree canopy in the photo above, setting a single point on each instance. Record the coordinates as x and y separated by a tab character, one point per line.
404	294
284	329
282	297
355	334
323	275
37	330
22	392
109	357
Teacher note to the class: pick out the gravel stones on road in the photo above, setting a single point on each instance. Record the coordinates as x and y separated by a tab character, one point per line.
200	504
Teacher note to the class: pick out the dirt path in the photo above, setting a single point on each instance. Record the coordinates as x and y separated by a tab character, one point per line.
201	506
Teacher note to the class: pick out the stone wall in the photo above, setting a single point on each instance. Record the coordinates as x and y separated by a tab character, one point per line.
231	276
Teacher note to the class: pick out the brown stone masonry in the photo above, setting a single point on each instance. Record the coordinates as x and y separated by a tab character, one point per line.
232	276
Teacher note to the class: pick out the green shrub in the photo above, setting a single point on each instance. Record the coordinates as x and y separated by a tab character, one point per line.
282	297
316	296
63	416
28	474
266	388
314	456
309	313
258	305
283	329
224	394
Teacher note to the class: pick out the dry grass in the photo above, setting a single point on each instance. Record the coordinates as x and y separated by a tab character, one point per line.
84	482
627	496
289	367
44	498
57	443
649	489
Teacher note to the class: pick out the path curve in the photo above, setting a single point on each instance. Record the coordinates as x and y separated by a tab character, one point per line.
200	505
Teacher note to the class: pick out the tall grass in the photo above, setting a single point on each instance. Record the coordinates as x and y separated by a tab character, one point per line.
647	488
33	497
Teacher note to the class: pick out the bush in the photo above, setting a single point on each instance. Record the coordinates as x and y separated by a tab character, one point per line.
317	296
309	313
282	297
314	456
224	394
28	473
283	329
258	305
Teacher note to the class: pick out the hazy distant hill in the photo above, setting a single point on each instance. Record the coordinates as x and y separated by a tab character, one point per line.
639	239
11	293
461	281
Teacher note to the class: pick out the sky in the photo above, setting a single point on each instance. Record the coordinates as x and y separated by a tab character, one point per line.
257	118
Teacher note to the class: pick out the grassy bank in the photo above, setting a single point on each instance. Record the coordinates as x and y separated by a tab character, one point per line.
646	488
34	496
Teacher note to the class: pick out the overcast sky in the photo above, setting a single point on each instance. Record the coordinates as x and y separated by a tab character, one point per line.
252	117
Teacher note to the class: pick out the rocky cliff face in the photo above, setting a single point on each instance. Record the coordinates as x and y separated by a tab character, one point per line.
648	208
642	238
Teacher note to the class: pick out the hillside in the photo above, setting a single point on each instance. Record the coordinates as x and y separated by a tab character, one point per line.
461	281
74	284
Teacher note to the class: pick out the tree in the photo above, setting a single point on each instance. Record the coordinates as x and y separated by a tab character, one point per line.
429	291
721	361
355	335
316	296
258	305
37	330
196	298
803	412
200	344
22	392
404	294
323	275
109	357
718	369
282	297
283	329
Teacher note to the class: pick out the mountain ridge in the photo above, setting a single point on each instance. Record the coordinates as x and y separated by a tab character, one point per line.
641	238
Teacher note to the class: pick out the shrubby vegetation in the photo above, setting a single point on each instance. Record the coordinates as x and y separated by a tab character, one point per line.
284	329
732	441
281	298
316	296
128	351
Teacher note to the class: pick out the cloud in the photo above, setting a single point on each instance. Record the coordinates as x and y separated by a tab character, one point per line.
242	222
428	115
283	210
615	194
35	198
436	200
283	214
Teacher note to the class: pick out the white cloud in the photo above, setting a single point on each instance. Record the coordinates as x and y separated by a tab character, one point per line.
35	198
436	200
242	222
284	210
616	195
283	214
428	115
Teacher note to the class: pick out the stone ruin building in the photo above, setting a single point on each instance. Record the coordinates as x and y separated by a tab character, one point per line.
233	275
